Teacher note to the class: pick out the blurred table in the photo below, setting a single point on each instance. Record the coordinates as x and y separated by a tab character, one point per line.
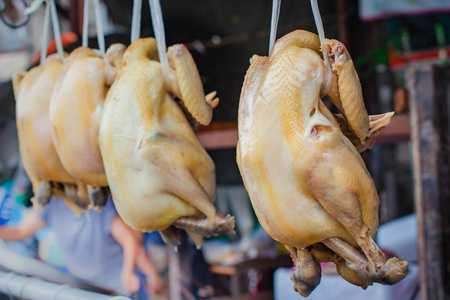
235	273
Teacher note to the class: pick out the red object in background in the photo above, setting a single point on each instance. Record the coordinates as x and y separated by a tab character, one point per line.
397	60
67	38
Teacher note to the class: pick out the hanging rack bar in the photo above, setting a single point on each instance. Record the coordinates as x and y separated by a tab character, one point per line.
276	4
136	20
158	30
85	37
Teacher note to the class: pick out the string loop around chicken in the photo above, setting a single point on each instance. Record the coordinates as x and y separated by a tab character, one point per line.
50	15
320	31
98	23
276	4
158	30
136	20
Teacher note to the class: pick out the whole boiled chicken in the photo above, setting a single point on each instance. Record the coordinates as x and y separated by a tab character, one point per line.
160	177
307	182
75	112
33	90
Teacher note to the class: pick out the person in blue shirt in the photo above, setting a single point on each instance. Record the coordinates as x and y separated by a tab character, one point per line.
98	247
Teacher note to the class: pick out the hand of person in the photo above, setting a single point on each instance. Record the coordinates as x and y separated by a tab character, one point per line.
156	284
130	282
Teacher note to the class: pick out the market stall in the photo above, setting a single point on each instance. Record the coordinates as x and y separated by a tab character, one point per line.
224	150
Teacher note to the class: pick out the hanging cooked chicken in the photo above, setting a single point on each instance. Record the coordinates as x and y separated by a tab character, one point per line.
75	112
33	91
160	177
308	184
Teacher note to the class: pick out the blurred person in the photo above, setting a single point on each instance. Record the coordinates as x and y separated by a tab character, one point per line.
98	247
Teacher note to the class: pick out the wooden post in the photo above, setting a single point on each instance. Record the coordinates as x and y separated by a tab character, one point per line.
429	89
174	274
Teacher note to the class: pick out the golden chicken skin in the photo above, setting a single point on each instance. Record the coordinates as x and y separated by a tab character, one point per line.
75	112
33	90
307	183
160	177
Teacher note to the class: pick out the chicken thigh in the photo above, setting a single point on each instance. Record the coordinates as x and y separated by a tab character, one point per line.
160	177
307	182
33	91
75	112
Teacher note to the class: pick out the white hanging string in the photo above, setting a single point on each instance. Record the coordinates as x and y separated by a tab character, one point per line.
50	15
158	30
56	29
318	20
85	37
33	7
274	23
136	20
321	33
99	23
45	31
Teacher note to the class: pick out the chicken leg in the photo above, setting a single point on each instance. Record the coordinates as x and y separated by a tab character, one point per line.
376	267
340	194
307	272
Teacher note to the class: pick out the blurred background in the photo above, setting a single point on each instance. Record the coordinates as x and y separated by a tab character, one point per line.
386	39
